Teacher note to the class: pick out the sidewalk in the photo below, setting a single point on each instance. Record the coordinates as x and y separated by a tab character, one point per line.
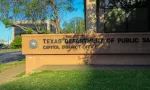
9	74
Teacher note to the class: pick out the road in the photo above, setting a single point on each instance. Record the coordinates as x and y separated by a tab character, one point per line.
11	56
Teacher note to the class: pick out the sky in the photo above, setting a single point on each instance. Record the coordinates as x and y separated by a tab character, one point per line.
6	33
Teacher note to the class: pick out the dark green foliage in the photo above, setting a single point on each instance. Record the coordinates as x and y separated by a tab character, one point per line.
17	43
1	44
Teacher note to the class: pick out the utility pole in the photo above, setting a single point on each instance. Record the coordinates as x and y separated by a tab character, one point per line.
80	25
75	26
8	40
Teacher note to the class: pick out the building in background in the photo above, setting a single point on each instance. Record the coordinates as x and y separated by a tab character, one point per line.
48	25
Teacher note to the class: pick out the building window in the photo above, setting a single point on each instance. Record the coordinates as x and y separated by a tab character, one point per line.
122	16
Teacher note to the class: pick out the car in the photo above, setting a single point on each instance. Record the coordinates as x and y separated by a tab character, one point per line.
5	47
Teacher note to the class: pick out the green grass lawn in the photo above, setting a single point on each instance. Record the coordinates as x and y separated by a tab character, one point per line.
6	66
20	74
83	80
9	50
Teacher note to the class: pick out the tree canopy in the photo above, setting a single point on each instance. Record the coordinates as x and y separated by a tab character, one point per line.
34	10
76	25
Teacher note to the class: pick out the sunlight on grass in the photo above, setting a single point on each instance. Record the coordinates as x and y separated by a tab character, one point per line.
6	66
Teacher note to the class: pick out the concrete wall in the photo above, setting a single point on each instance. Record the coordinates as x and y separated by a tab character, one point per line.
115	49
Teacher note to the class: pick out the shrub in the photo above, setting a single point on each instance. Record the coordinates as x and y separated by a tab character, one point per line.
17	43
1	44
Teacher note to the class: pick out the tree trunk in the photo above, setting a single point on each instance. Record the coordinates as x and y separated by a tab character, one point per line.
57	25
56	19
